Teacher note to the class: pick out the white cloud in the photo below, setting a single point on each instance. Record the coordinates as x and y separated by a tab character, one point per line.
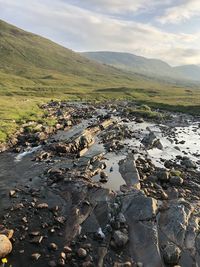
84	30
120	6
182	12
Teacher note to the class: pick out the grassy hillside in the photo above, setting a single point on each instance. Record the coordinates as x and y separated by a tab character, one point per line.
34	70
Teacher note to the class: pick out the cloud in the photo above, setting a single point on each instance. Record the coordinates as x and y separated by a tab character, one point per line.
182	12
119	6
85	30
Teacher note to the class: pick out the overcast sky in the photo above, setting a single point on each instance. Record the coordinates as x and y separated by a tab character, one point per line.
164	29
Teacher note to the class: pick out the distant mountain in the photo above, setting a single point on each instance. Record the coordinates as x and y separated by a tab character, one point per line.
37	66
190	71
142	65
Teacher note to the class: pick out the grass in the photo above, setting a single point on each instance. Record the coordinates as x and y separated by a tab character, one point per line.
34	70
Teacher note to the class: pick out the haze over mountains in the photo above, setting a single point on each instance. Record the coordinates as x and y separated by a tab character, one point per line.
142	65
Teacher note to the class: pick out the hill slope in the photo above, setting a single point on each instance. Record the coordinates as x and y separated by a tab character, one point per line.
190	71
34	70
21	52
142	65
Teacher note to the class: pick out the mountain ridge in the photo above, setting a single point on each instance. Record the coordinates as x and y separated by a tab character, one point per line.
141	65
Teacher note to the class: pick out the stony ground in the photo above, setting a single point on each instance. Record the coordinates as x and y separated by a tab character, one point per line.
103	194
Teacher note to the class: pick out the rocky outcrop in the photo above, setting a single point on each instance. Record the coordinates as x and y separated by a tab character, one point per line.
129	172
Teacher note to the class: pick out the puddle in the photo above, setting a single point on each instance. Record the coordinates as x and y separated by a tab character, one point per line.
115	179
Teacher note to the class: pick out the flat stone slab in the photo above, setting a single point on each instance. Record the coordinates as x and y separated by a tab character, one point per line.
129	172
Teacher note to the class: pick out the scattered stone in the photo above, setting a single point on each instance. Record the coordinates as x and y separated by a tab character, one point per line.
171	254
120	238
36	239
82	253
35	256
43	206
176	180
53	246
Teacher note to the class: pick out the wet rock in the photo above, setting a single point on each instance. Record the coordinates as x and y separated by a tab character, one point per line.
188	163
5	246
171	254
36	239
61	262
150	141
12	193
52	264
176	180
125	264
120	238
82	253
129	172
35	256
42	206
103	177
7	232
139	207
173	221
163	175
53	246
139	211
139	120
67	249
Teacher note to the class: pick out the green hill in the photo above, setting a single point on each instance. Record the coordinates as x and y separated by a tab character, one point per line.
34	69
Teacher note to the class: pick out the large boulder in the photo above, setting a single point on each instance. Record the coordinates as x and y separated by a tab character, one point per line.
5	246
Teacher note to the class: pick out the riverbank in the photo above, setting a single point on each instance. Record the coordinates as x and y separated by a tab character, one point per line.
104	186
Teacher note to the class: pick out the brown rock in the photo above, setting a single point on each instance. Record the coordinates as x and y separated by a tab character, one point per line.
5	246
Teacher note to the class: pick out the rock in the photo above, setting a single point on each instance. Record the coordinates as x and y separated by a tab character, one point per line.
103	177
12	193
63	255
173	221
189	163
163	175
139	207
5	246
35	256
7	232
67	249
42	206
61	262
150	141
129	172
176	180
140	212
120	238
53	246
87	264
82	253
171	254
52	264
36	239
125	264
139	120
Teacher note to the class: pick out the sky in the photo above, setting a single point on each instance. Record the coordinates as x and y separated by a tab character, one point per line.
164	29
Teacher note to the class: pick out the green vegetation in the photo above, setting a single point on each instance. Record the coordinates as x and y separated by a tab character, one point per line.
145	112
34	70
